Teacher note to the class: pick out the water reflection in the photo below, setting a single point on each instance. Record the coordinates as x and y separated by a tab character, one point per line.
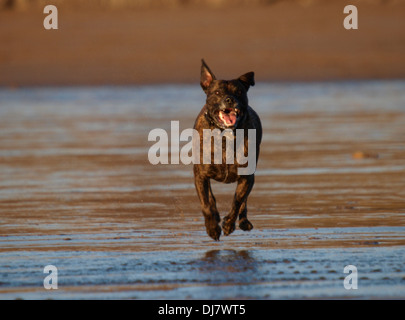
229	257
227	266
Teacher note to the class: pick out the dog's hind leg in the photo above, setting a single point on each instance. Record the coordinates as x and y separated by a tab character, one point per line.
245	185
244	223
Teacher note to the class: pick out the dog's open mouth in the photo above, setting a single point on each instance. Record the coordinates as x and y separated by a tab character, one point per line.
228	117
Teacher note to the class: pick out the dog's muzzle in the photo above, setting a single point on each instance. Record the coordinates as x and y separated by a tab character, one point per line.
229	113
229	117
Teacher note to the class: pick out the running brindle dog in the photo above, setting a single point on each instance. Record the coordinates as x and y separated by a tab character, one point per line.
226	108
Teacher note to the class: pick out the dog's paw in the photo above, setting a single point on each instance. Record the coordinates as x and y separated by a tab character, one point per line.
213	229
214	232
245	225
228	227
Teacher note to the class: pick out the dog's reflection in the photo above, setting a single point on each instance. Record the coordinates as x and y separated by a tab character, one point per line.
221	263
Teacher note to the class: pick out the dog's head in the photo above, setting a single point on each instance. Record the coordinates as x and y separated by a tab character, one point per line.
227	101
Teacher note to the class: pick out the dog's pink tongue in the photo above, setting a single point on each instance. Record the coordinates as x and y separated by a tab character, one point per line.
228	118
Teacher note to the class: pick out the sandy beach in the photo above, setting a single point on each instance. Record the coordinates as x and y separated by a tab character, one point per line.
77	190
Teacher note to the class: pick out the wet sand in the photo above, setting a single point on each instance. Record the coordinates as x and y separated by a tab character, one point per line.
77	191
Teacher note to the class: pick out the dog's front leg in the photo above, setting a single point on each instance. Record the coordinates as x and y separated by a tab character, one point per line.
245	185
208	205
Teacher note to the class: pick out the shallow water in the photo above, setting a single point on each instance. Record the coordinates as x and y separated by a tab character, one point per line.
212	274
77	191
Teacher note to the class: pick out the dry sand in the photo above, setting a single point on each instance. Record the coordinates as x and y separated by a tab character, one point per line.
288	40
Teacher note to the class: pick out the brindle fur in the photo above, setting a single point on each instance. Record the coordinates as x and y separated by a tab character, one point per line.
231	93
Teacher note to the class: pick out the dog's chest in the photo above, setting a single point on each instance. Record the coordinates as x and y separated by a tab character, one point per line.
224	159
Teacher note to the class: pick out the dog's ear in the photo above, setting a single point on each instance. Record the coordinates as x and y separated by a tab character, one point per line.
206	76
248	79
